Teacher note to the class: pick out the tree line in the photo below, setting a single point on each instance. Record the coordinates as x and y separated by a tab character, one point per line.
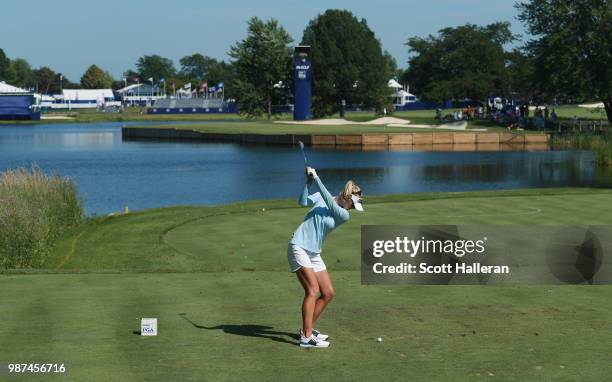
194	68
567	57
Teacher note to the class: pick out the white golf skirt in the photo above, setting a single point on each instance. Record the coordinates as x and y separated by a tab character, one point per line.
299	257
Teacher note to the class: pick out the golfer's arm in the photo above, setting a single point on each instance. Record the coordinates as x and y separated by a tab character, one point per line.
303	200
338	212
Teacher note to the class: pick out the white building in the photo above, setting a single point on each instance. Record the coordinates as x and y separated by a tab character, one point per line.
140	94
401	94
81	99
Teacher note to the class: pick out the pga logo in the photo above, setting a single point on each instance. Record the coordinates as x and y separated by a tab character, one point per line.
148	327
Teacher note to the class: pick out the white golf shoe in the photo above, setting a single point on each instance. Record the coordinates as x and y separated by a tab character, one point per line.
312	342
316	334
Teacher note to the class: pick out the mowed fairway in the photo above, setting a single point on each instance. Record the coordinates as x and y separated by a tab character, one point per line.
217	279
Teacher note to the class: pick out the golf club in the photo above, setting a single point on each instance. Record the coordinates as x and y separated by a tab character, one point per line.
303	153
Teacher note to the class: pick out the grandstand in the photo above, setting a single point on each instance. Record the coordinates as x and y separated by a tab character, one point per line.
203	103
191	105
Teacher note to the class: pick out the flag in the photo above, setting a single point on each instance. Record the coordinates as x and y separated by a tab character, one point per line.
150	79
213	89
220	85
162	80
187	86
203	87
137	79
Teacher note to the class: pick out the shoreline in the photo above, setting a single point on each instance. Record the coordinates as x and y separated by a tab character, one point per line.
443	141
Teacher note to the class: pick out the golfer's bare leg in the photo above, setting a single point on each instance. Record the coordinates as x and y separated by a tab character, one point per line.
327	293
311	293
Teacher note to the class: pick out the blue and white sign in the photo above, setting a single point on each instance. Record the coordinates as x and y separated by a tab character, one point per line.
302	89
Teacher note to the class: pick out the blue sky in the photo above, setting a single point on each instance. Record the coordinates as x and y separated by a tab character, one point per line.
69	35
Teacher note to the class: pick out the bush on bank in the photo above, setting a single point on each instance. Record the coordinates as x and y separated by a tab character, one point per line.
35	209
601	145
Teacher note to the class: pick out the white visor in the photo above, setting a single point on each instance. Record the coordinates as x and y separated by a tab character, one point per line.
357	202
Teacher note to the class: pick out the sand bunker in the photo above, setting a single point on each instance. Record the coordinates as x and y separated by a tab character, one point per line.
340	122
387	121
459	125
599	105
55	117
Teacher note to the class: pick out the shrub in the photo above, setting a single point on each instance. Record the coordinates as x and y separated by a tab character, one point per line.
601	145
35	209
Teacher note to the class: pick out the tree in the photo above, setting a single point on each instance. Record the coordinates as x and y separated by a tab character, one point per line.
24	76
571	46
131	76
96	78
197	66
519	78
348	63
392	68
47	81
155	66
223	72
7	72
261	60
466	62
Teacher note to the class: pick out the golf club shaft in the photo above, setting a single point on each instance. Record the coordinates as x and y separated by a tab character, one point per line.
303	152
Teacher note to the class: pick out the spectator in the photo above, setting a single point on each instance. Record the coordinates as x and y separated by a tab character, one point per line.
438	115
538	112
553	116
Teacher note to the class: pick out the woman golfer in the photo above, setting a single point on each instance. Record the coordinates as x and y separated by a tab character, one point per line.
304	252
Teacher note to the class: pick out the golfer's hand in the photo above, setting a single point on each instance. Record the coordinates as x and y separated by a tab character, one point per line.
311	172
308	178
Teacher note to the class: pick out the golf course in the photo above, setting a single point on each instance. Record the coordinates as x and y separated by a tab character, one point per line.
217	279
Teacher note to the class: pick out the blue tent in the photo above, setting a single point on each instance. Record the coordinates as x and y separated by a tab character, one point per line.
17	107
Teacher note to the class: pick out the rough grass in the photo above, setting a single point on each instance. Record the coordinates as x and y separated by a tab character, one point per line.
35	210
217	279
601	145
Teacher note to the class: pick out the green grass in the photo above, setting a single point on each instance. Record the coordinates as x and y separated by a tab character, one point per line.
217	279
262	127
569	111
416	116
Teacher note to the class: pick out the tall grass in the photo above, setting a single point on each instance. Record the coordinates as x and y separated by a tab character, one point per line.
601	145
35	209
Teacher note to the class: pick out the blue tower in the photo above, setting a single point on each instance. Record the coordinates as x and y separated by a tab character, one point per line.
302	88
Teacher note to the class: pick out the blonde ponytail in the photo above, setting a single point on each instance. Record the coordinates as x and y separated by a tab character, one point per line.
350	188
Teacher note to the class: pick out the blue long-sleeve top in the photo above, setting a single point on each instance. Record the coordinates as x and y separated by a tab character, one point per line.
323	217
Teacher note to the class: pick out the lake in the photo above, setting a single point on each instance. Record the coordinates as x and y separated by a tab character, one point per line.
111	173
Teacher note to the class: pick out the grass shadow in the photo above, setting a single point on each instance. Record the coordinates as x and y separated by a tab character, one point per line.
250	330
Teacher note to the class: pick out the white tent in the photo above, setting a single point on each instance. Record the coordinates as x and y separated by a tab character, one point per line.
6	88
91	95
394	84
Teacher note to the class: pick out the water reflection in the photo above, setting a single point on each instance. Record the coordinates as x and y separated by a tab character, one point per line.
112	173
